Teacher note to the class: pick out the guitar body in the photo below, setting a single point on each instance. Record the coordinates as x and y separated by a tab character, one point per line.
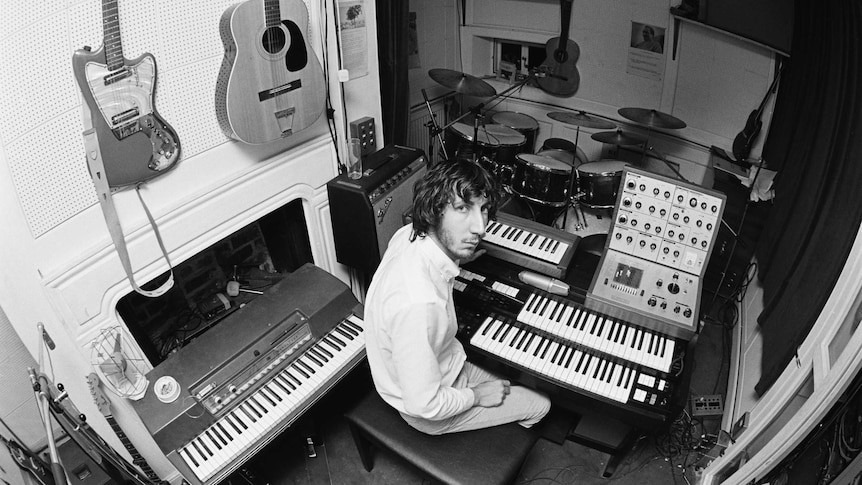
745	138
30	462
561	73
133	139
274	83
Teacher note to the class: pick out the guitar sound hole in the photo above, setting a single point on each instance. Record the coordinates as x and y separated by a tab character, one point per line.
273	40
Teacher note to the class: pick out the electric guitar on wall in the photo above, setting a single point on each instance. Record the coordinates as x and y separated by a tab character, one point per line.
104	406
560	74
743	141
133	139
271	84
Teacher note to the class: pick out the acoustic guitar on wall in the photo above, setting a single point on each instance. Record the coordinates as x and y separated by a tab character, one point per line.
558	73
271	84
133	139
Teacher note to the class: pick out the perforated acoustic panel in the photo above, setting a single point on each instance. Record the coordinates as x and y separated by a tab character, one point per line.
40	104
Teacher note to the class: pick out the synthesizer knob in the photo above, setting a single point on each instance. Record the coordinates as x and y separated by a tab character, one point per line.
698	223
217	399
666	250
647	226
623	219
652	301
673	288
659	282
634	222
232	389
676	309
693	241
643	243
658	229
703	205
687	313
629	239
666	194
670	233
619	236
638	205
714	209
676	216
630	184
709	226
663	305
686	219
662	212
676	254
642	187
692	202
653	246
655	191
627	202
651	209
703	244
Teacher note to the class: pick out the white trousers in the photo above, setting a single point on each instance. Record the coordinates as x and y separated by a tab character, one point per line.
523	405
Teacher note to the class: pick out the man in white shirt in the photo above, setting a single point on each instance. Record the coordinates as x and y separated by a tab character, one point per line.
417	364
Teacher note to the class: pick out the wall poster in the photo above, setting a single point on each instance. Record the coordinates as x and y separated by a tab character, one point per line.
353	37
646	51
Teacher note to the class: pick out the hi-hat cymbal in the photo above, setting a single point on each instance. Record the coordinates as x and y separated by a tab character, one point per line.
651	117
618	138
462	83
581	119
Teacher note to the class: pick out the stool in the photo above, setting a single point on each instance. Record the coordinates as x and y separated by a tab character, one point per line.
484	456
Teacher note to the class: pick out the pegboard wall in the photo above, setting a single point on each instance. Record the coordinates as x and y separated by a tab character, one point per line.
40	103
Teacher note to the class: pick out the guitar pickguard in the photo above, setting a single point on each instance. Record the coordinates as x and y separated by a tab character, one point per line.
124	100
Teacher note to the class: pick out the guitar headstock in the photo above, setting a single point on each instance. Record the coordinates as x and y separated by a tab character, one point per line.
99	397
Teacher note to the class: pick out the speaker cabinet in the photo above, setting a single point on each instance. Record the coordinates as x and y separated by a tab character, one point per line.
366	212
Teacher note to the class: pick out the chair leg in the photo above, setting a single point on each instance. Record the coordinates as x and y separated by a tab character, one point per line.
363	446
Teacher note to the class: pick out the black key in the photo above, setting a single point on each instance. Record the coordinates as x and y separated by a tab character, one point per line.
497	332
300	370
273	394
350	329
487	326
547	346
239	419
641	341
337	340
505	332
190	456
310	355
352	325
323	353
343	333
233	424
556	245
213	439
329	341
224	431
200	452
247	410
307	367
663	346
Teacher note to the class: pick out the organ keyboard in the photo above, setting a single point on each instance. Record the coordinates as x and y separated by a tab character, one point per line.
575	354
250	377
529	244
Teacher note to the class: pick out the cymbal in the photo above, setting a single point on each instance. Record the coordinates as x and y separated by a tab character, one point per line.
651	117
618	138
462	83
581	119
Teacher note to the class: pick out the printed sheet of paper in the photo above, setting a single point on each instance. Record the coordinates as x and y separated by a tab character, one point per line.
354	37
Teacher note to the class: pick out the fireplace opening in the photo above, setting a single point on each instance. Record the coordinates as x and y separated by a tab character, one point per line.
217	281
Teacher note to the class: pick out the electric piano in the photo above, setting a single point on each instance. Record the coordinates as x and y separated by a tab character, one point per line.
246	380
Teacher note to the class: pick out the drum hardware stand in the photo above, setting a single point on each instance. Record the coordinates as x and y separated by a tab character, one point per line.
432	129
661	157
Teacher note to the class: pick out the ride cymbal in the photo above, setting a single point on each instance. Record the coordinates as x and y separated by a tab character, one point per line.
618	138
581	119
652	118
462	83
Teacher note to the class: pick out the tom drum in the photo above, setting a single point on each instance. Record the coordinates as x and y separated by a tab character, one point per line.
523	124
598	183
541	179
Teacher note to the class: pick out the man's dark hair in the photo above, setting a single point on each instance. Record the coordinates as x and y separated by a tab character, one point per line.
438	188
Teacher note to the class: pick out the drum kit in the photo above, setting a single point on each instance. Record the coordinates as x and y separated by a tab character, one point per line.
558	175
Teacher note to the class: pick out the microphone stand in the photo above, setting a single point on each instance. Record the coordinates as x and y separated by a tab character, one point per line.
432	129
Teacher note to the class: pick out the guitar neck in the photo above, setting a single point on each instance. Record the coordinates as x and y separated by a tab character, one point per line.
566	13
137	459
111	35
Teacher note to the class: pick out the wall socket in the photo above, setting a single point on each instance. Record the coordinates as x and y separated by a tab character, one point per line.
363	128
707	405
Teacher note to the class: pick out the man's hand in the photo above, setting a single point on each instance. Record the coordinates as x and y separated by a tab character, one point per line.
491	393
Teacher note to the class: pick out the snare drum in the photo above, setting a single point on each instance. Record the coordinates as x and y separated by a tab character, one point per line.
541	179
565	156
523	124
599	182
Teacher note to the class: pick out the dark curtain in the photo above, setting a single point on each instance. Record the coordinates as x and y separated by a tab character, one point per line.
815	144
392	43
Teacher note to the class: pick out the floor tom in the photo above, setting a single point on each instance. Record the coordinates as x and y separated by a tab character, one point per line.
599	181
540	179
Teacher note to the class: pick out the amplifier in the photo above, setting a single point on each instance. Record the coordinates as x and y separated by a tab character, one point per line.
366	212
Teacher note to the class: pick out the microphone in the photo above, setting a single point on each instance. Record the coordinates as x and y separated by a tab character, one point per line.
542	282
47	338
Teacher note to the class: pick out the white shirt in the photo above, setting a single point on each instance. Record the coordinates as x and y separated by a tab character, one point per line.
411	327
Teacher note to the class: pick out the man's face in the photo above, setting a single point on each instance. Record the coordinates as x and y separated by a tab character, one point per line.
461	227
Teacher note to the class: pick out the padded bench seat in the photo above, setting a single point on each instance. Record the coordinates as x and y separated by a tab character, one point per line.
485	456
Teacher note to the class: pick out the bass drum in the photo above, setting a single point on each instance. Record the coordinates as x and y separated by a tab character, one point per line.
599	182
541	179
523	124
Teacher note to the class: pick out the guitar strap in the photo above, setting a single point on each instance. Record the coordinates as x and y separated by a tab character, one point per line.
103	190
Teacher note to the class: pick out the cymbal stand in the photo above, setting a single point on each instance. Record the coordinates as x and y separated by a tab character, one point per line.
574	200
661	157
432	130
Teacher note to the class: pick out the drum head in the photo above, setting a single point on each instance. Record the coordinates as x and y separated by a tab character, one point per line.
565	156
543	163
602	168
517	121
501	135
